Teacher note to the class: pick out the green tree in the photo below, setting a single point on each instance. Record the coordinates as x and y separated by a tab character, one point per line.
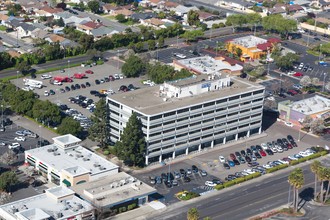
161	42
203	26
86	41
327	178
236	20
138	47
253	19
279	24
239	52
193	18
151	45
192	35
315	167
296	180
133	66
192	214
8	158
100	128
46	112
286	62
8	180
22	102
70	126
6	60
94	6
121	18
23	66
132	145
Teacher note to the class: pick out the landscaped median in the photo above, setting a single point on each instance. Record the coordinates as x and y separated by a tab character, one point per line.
186	195
270	170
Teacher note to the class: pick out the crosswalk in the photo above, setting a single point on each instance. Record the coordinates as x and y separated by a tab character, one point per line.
207	188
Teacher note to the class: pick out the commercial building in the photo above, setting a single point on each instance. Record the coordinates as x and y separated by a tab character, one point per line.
191	114
66	162
208	65
295	112
252	47
56	203
114	191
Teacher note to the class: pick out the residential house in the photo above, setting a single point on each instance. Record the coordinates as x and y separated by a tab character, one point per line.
123	11
47	11
143	16
153	22
277	9
183	10
53	38
103	31
87	27
168	5
238	4
109	8
294	8
39	33
25	30
74	21
323	4
206	16
63	15
29	6
3	19
12	22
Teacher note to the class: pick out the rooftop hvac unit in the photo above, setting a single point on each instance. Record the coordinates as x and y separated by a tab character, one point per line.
50	150
96	165
86	159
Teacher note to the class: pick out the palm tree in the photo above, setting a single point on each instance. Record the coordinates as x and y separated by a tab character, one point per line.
327	177
296	179
192	214
315	167
322	177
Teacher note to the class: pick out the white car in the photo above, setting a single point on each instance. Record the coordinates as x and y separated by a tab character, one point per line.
19	138
46	76
148	82
267	166
2	144
270	98
283	162
121	76
274	149
292	158
291	73
14	145
46	93
249	171
301	65
210	183
264	146
222	159
289	124
279	149
116	76
26	89
57	83
297	86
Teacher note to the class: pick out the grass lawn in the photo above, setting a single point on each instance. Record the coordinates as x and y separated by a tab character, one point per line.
2	28
111	17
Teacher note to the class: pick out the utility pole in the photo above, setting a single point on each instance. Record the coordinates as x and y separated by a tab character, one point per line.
324	76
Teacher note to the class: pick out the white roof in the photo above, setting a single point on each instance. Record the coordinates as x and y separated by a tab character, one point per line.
46	206
313	105
249	41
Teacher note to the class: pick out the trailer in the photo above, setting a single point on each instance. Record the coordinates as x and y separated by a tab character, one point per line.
62	79
33	83
79	75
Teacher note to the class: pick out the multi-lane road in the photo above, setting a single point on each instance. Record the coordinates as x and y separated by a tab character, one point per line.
241	202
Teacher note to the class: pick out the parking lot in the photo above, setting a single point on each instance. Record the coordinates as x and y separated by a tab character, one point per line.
100	72
209	161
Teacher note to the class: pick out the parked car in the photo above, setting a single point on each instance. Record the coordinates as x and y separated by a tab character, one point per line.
222	159
232	156
14	145
203	173
231	163
298	74
20	138
226	166
194	169
210	183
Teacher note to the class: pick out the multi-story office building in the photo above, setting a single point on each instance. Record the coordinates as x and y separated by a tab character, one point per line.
188	115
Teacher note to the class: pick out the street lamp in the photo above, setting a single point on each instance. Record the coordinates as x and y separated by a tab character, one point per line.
268	68
68	67
324	76
320	53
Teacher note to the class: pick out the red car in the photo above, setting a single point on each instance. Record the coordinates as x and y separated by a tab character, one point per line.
232	156
293	91
262	153
289	146
297	74
89	72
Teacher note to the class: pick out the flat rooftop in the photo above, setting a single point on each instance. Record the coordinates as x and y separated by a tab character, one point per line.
77	161
112	190
147	100
208	65
249	41
66	139
313	105
43	206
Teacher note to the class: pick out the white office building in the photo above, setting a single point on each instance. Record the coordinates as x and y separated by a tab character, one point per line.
191	114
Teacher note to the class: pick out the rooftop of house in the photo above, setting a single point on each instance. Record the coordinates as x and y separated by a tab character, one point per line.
112	190
310	106
48	205
147	101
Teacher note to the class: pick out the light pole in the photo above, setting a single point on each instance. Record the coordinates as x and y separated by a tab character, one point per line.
268	68
289	195
211	34
68	67
320	53
177	40
117	59
324	76
216	49
281	83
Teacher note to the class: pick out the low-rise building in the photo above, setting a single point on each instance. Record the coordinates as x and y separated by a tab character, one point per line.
66	162
208	65
114	191
296	112
190	114
56	203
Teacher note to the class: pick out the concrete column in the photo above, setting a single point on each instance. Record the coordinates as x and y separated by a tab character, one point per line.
160	158
173	155
187	150
147	160
236	137
199	147
224	140
212	144
260	130
248	133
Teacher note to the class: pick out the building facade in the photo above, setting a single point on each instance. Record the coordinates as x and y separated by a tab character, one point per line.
189	115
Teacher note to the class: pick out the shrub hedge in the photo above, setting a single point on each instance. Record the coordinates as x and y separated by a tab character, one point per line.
219	186
229	183
240	180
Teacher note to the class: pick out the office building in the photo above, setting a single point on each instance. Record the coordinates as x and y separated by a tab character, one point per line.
66	162
56	203
188	115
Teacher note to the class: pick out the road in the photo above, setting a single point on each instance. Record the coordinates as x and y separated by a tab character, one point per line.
13	41
269	192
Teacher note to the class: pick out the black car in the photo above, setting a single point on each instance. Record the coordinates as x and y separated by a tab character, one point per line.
97	82
298	91
280	142
123	88
62	90
63	107
249	151
131	87
290	138
194	169
170	176
259	148
226	166
90	101
43	143
216	181
168	184
237	154
254	149
93	92
269	152
73	87
230	177
164	176
294	144
186	179
248	159
77	86
67	88
97	94
282	95
236	162
285	141
243	153
88	84
84	105
72	100
257	155
290	93
182	172
83	86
